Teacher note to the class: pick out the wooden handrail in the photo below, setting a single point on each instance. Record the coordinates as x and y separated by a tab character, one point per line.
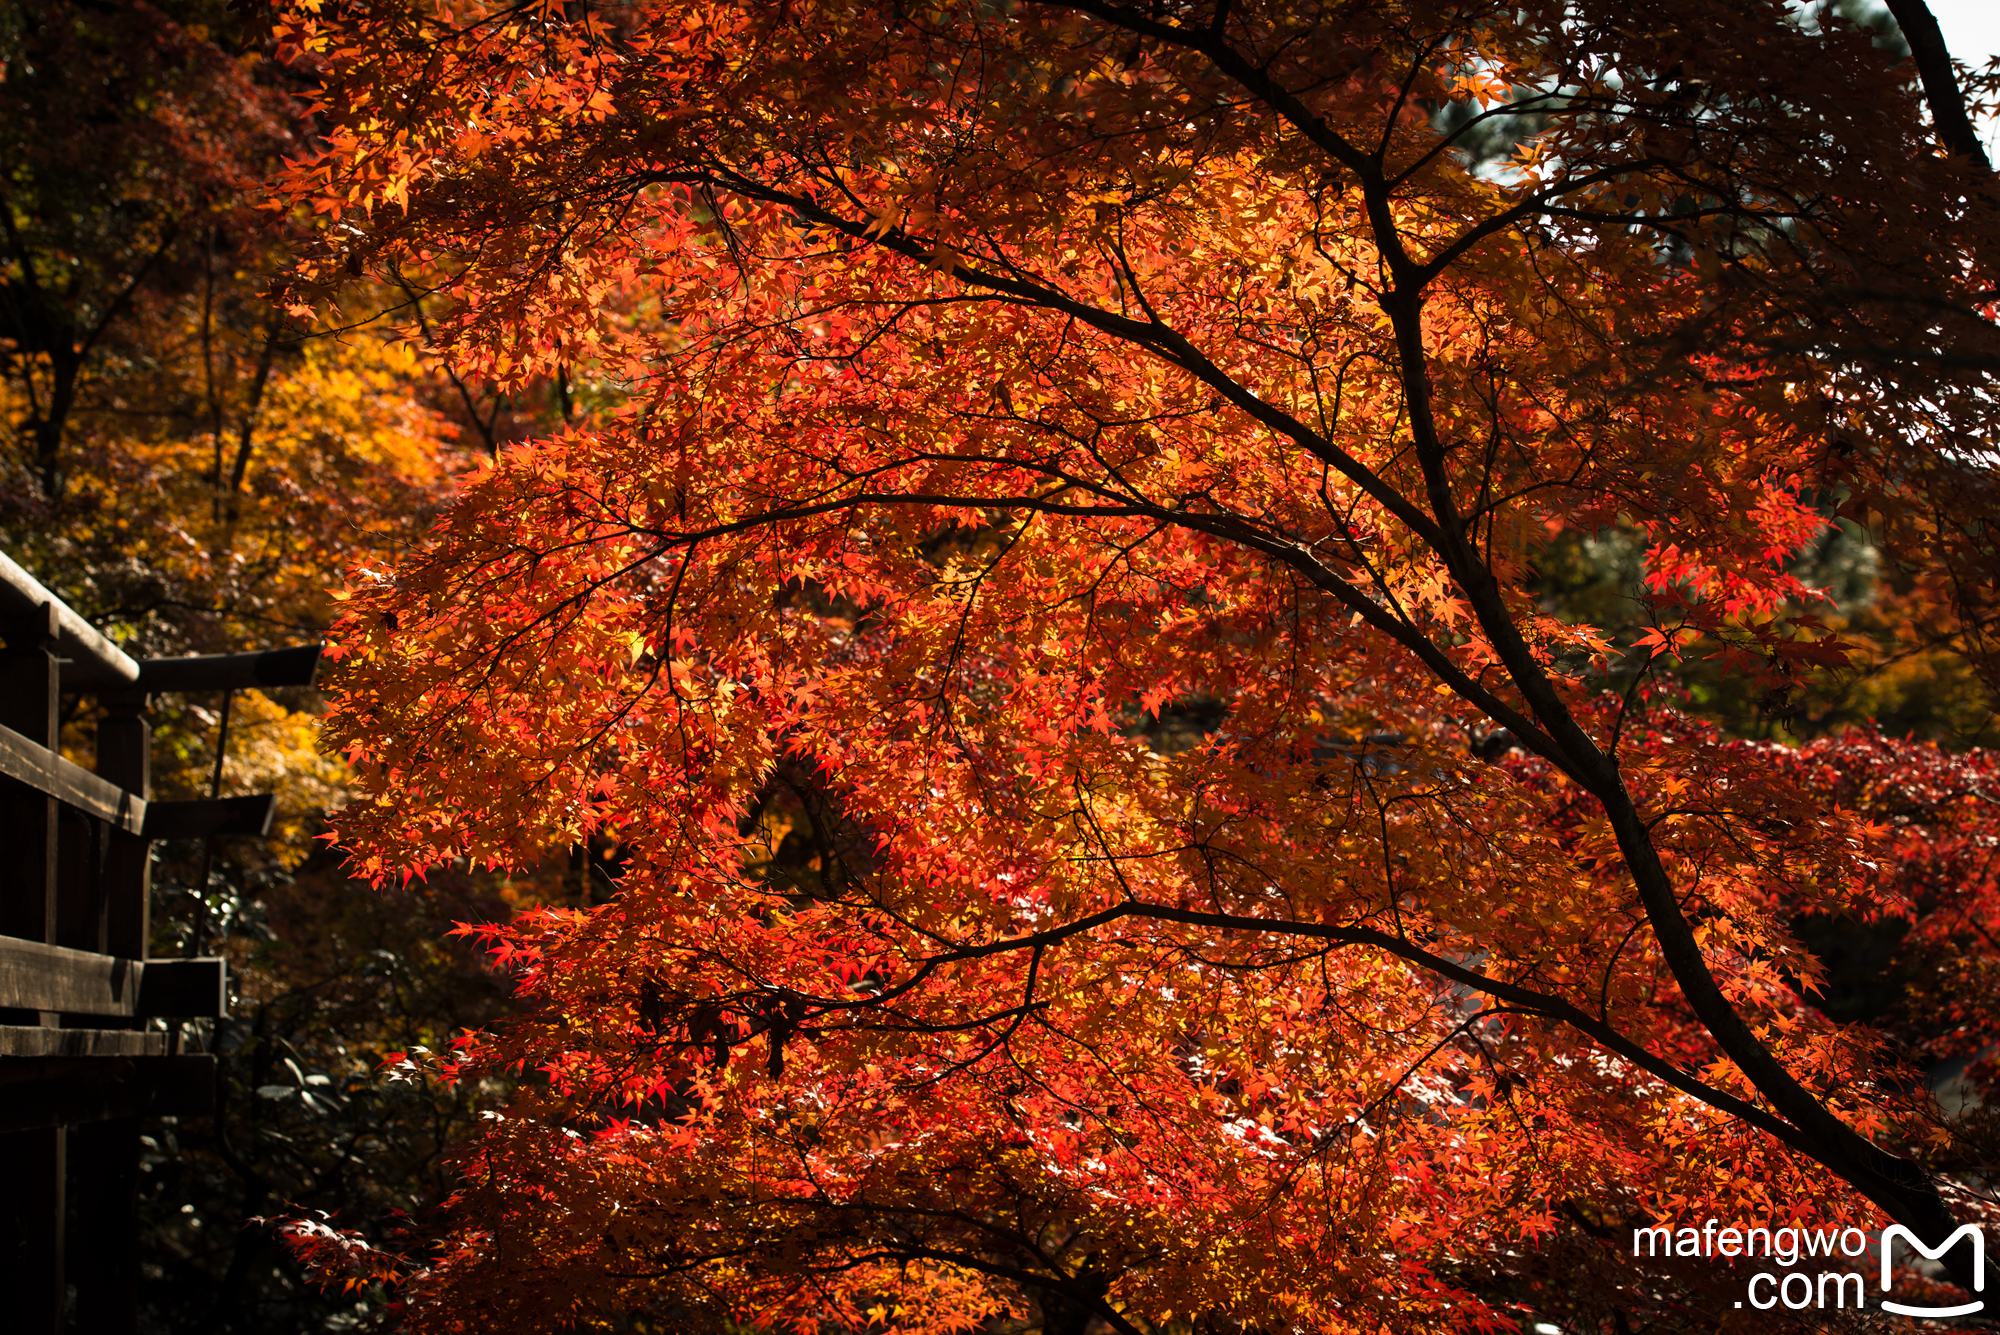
24	761
76	639
39	977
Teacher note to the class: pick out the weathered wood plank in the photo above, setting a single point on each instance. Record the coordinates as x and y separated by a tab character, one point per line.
39	977
69	783
78	640
217	815
18	1040
34	976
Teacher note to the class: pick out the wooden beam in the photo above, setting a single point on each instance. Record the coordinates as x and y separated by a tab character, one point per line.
296	666
231	672
69	783
184	989
77	640
20	1040
214	815
39	977
34	976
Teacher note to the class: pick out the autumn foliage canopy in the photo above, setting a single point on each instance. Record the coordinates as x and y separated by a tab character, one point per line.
1043	627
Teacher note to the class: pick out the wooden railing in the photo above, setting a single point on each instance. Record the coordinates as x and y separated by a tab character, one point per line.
90	1027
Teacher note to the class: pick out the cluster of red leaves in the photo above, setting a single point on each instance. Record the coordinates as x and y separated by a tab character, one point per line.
1939	817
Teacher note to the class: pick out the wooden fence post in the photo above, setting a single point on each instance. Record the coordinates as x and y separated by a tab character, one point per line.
31	1162
30	706
104	1158
125	757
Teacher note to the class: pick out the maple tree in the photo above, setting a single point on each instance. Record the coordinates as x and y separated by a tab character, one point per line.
1046	611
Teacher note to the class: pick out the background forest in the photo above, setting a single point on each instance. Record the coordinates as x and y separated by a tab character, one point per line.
196	471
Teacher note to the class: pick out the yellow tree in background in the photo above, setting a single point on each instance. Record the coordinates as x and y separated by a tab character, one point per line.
194	471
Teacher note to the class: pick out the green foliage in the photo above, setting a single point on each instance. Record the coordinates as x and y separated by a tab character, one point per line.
332	976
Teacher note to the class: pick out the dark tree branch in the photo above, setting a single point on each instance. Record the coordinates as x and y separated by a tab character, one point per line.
1942	94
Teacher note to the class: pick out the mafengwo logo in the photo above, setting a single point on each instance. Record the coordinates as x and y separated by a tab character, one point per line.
1971	1231
1818	1286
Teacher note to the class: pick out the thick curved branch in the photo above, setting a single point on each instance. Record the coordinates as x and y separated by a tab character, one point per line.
1521	998
1892	1183
1942	94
